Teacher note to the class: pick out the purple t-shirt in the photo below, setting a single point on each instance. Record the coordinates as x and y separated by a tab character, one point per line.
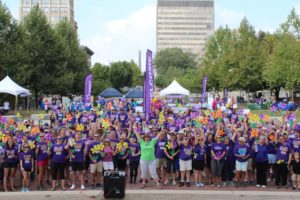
218	149
295	144
242	150
58	153
25	158
283	151
134	149
123	118
185	152
10	155
43	151
96	155
261	152
199	153
78	151
159	149
93	117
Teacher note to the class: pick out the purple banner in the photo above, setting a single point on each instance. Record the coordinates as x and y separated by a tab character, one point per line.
204	82
88	90
148	84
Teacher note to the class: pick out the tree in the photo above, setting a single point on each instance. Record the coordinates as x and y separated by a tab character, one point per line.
10	52
137	77
173	57
76	57
121	74
101	78
44	66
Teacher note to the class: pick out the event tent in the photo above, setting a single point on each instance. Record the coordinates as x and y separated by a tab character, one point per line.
110	92
174	89
135	93
10	87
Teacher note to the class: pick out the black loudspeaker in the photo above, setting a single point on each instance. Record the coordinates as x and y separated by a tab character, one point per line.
114	184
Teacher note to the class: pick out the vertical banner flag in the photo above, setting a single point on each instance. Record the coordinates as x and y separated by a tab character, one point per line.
88	90
148	84
204	82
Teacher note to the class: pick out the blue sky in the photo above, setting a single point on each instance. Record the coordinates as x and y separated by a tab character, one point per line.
118	29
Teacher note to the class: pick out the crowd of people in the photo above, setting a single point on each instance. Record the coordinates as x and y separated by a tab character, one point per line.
218	148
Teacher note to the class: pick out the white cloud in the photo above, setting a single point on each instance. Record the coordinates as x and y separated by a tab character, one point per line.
229	17
123	38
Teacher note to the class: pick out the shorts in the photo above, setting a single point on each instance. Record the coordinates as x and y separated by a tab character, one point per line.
241	166
185	165
198	165
42	163
296	177
27	169
108	165
97	167
250	164
10	165
208	161
161	162
271	159
77	166
148	165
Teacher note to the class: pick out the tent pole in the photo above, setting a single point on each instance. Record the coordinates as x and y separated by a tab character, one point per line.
27	102
16	103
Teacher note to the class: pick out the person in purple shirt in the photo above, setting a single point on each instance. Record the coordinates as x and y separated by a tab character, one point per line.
242	153
208	144
261	161
123	118
185	161
134	159
96	164
199	159
229	163
10	163
171	151
41	152
77	151
59	154
295	142
161	162
218	152
283	157
26	163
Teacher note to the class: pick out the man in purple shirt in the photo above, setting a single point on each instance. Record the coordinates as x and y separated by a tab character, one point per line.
242	153
161	161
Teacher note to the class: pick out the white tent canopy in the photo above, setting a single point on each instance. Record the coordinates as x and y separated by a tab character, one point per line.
174	89
10	87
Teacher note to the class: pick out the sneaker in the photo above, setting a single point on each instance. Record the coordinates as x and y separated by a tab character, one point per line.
201	184
159	186
82	187
23	190
26	190
258	185
224	184
188	184
166	182
181	184
263	186
93	187
142	186
218	185
98	185
72	187
197	185
174	182
39	188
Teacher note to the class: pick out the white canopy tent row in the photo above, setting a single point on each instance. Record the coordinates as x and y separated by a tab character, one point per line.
10	87
174	89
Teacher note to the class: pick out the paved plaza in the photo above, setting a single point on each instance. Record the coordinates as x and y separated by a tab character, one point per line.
155	195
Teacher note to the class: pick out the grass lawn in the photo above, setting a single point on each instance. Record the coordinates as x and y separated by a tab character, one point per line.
275	114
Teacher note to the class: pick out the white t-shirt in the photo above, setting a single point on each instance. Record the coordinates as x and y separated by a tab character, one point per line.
6	105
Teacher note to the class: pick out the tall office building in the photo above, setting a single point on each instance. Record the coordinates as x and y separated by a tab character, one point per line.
55	10
186	24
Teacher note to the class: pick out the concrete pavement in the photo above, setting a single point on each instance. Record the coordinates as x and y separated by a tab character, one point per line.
155	195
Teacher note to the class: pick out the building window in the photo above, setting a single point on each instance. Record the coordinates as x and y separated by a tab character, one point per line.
26	1
63	9
64	2
54	10
54	1
34	2
45	2
54	18
46	10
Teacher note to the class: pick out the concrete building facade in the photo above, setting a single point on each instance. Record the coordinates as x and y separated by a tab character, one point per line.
186	24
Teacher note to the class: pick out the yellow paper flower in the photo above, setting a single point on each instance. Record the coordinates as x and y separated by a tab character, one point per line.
97	148
80	127
31	144
169	145
2	136
105	123
161	118
120	146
